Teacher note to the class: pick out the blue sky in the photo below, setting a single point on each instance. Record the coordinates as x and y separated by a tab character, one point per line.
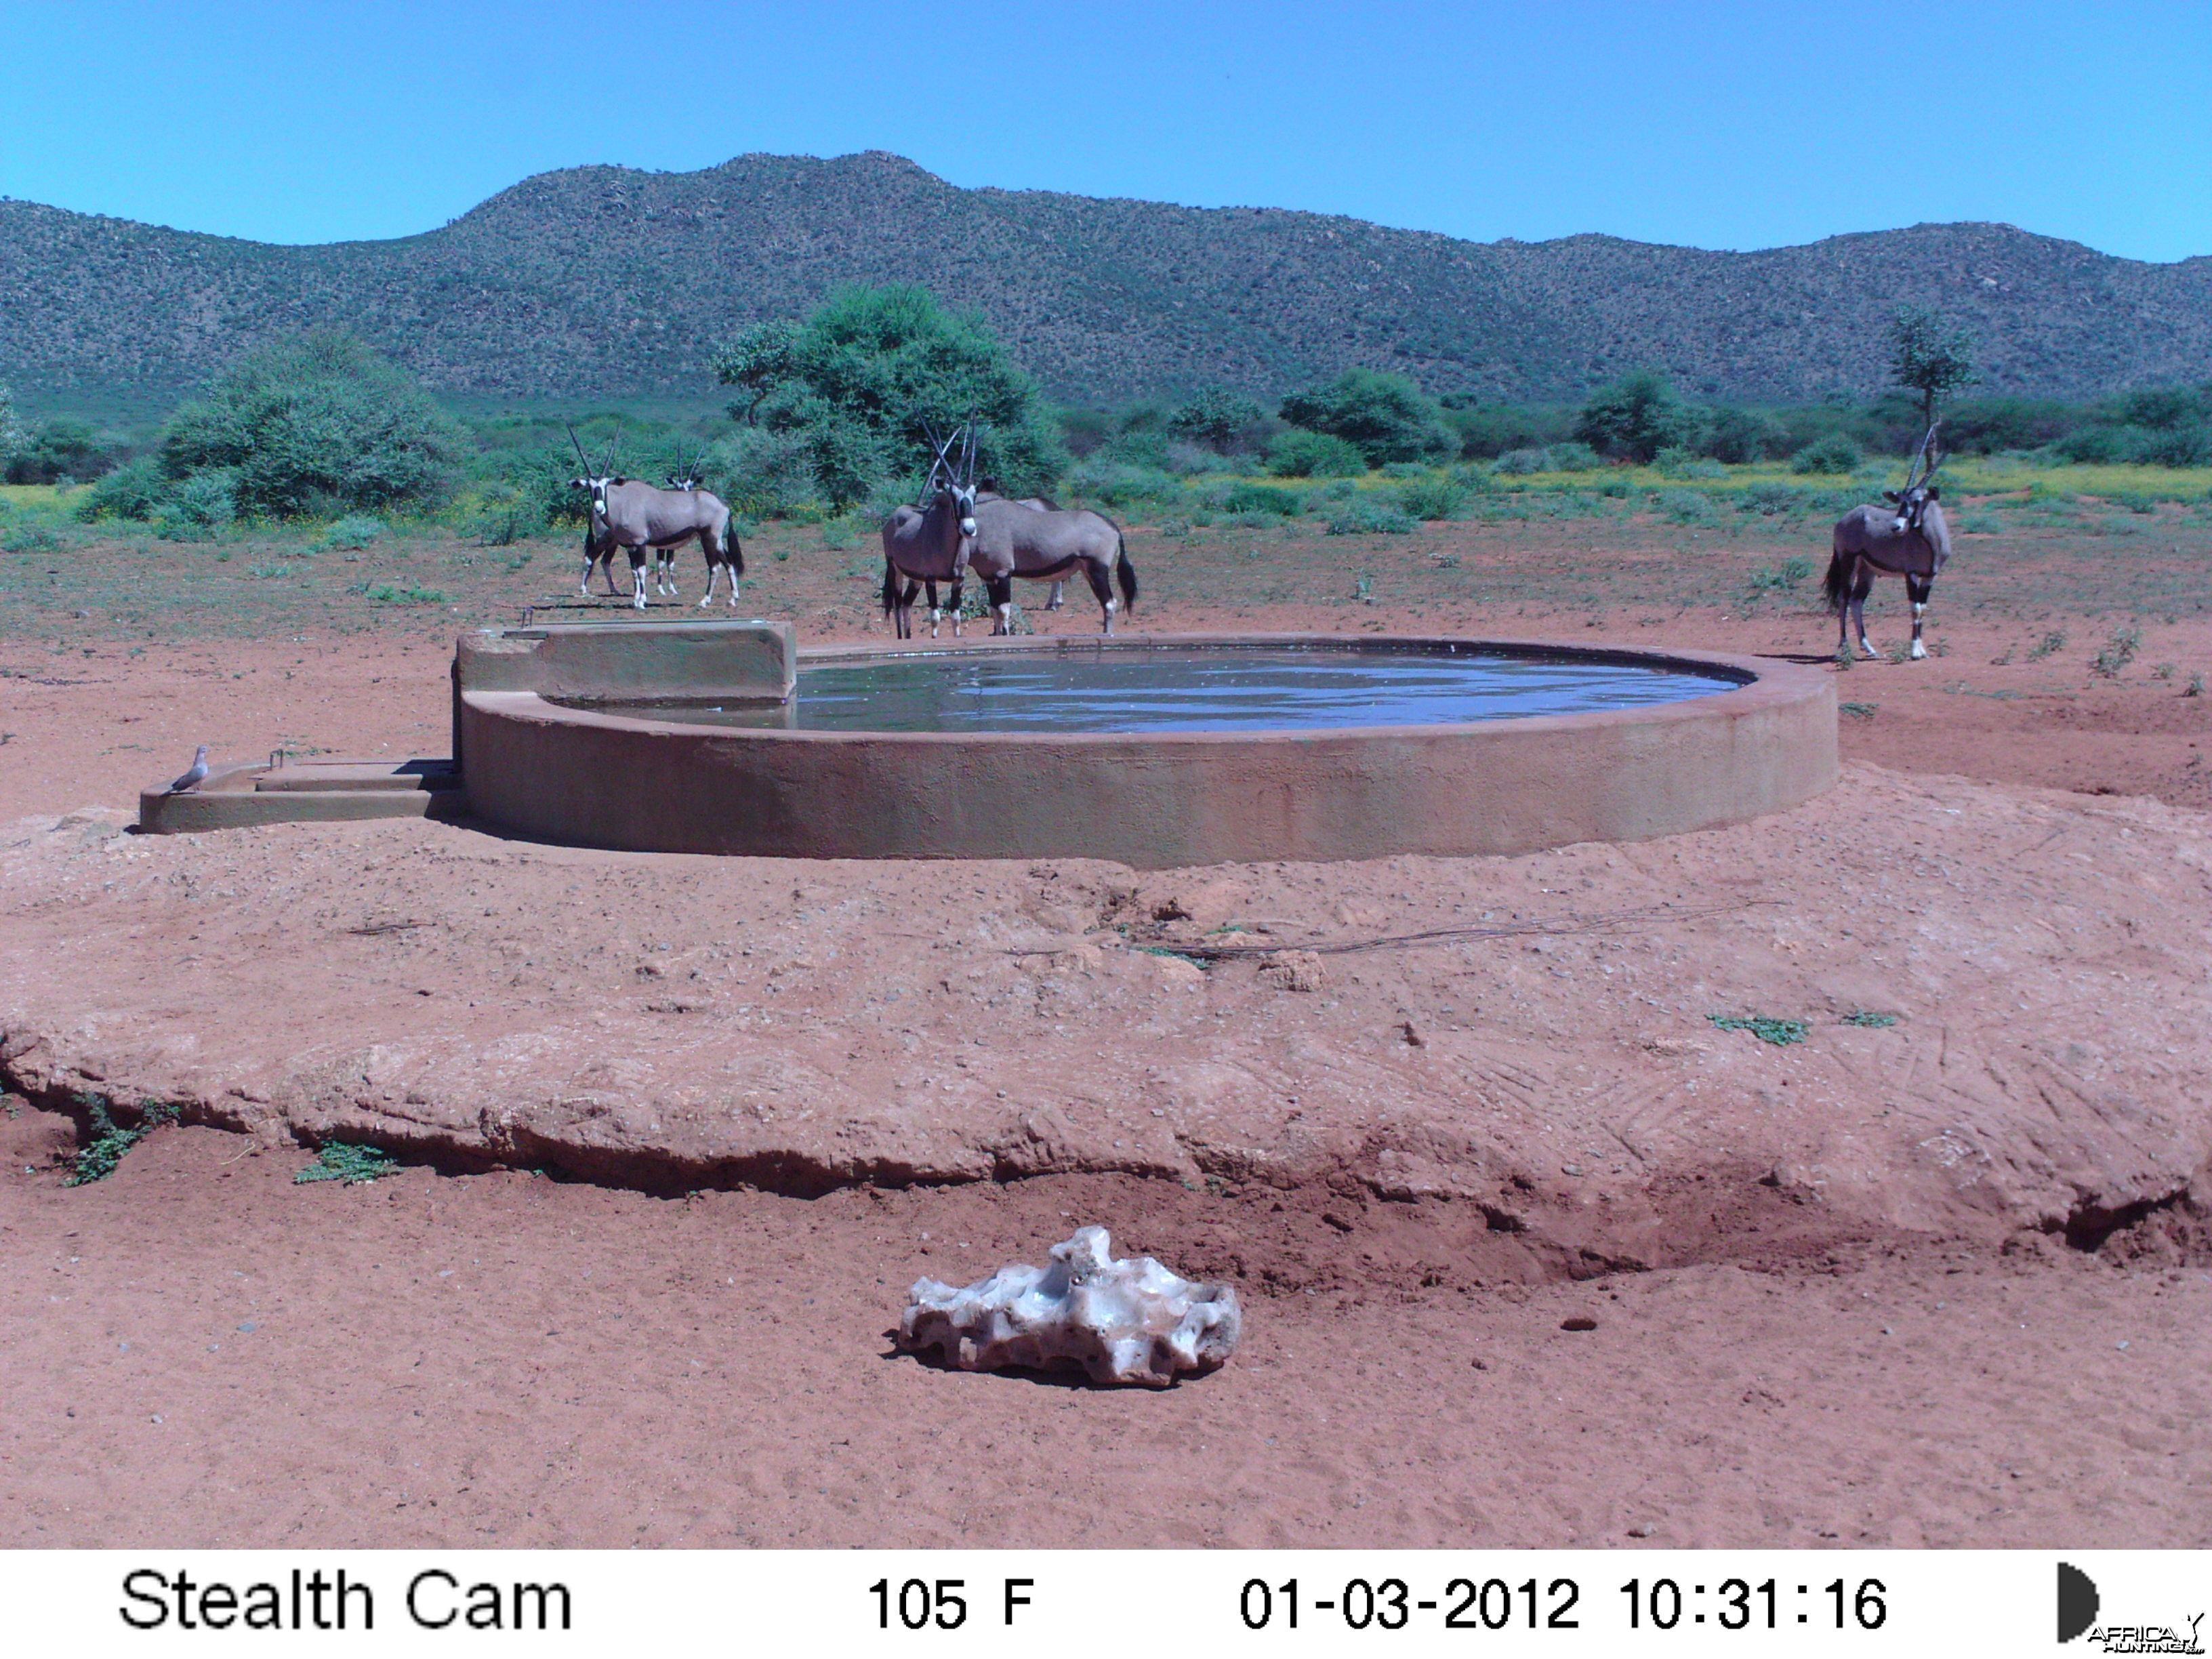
1723	126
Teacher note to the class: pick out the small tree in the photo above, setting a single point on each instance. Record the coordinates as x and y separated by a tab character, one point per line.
1928	358
872	368
1214	415
1636	417
1385	416
756	362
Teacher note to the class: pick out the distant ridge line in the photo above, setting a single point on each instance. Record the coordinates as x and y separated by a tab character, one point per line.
605	282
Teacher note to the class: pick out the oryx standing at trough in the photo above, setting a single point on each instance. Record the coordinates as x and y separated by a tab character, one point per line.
989	491
1013	538
1908	539
930	544
636	516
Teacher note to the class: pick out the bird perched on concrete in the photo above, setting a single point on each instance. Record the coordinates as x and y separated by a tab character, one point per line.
194	775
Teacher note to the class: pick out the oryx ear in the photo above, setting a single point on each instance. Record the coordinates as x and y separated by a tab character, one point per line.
1934	495
1892	495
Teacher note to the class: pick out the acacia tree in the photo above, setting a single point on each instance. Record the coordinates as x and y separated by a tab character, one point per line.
1928	357
858	385
756	361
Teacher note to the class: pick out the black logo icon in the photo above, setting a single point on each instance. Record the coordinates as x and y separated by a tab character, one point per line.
2077	1601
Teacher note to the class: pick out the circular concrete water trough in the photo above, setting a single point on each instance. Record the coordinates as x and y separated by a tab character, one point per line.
700	739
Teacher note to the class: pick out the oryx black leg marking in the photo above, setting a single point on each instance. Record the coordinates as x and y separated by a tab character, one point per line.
1102	585
1862	585
1000	590
1916	588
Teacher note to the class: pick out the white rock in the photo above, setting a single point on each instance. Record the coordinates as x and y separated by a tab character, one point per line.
1121	1322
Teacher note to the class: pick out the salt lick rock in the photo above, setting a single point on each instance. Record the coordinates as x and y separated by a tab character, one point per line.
1121	1322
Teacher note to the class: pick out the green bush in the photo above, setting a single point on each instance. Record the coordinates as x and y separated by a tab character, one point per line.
1635	417
355	532
858	383
1486	432
761	473
1683	506
1833	453
1676	462
1122	487
1215	415
1741	436
198	506
1370	514
1267	499
134	490
1385	416
1519	463
1770	497
1301	454
316	424
63	450
1441	496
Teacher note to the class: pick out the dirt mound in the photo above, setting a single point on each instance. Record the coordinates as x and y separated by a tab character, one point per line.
1988	1006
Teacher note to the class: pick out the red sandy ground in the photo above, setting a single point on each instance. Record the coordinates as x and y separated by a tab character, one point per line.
200	1352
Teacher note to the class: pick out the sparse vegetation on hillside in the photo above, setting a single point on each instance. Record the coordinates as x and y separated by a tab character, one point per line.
599	282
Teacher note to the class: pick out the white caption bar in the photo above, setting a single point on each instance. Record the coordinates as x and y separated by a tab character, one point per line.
993	1602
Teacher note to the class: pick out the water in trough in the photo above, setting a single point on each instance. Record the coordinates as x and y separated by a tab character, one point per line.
1195	688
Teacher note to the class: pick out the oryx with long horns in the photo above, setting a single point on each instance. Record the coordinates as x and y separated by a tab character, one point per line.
1909	539
929	544
640	519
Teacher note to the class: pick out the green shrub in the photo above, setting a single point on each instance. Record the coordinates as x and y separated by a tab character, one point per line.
1441	496
765	474
134	490
1123	488
1741	436
198	506
1368	514
1519	463
316	424
1301	454
354	532
1833	453
1636	417
857	383
1675	462
1215	415
1255	498
62	451
1573	455
1769	497
1385	416
1683	506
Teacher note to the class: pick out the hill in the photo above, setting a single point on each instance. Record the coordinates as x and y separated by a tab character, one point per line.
604	283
